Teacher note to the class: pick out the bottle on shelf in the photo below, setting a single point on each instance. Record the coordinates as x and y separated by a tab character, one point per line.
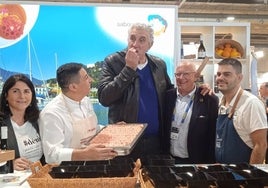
5	167
201	49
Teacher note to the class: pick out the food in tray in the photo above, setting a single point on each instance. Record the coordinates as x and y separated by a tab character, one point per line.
118	135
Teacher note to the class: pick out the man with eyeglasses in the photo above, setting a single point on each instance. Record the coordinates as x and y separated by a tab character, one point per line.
68	121
190	119
241	132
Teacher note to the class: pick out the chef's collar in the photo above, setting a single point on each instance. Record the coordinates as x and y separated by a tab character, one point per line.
69	100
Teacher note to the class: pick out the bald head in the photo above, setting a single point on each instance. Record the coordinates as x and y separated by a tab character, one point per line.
189	66
185	77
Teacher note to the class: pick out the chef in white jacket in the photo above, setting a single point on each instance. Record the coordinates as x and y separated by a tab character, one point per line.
68	121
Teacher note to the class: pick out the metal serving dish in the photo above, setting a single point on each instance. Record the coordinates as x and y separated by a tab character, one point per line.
115	137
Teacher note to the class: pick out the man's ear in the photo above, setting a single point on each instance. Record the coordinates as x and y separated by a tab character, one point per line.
72	87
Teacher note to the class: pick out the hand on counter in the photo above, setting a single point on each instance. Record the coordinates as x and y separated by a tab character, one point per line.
22	164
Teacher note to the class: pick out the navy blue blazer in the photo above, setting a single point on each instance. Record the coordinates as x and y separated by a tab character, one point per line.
202	128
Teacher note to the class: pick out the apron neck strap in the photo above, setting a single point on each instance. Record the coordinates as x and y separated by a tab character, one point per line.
235	104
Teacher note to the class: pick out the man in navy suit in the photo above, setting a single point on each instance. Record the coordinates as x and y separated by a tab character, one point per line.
190	119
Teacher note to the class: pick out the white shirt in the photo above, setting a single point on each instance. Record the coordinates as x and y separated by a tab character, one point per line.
56	127
248	117
179	146
141	66
29	141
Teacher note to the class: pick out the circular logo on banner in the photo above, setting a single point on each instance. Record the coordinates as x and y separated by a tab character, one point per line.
16	21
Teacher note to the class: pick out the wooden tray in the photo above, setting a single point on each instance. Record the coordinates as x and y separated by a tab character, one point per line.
40	178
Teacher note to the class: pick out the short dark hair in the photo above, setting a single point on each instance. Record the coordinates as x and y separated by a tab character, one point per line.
67	73
233	62
32	111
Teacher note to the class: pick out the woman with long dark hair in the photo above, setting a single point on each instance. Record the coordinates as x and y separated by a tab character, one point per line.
19	112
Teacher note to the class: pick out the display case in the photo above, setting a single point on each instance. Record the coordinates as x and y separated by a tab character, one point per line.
189	32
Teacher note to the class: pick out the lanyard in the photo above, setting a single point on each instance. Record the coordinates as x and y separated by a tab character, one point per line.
186	110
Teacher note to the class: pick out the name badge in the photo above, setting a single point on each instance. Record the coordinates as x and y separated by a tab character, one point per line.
174	133
218	142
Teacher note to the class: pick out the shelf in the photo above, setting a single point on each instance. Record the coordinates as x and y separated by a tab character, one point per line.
216	60
189	32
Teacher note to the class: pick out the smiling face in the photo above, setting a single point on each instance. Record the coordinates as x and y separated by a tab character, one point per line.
228	80
19	97
185	77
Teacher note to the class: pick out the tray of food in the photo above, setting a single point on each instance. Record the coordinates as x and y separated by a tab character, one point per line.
121	137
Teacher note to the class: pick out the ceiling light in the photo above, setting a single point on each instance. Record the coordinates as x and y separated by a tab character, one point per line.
230	18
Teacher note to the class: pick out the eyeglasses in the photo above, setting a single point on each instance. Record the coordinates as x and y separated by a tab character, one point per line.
183	74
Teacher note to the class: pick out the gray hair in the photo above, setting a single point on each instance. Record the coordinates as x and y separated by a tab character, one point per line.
142	26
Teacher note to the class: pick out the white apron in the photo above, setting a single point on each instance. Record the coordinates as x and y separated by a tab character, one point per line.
83	129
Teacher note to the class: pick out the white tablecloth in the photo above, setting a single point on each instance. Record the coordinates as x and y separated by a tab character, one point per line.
21	177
